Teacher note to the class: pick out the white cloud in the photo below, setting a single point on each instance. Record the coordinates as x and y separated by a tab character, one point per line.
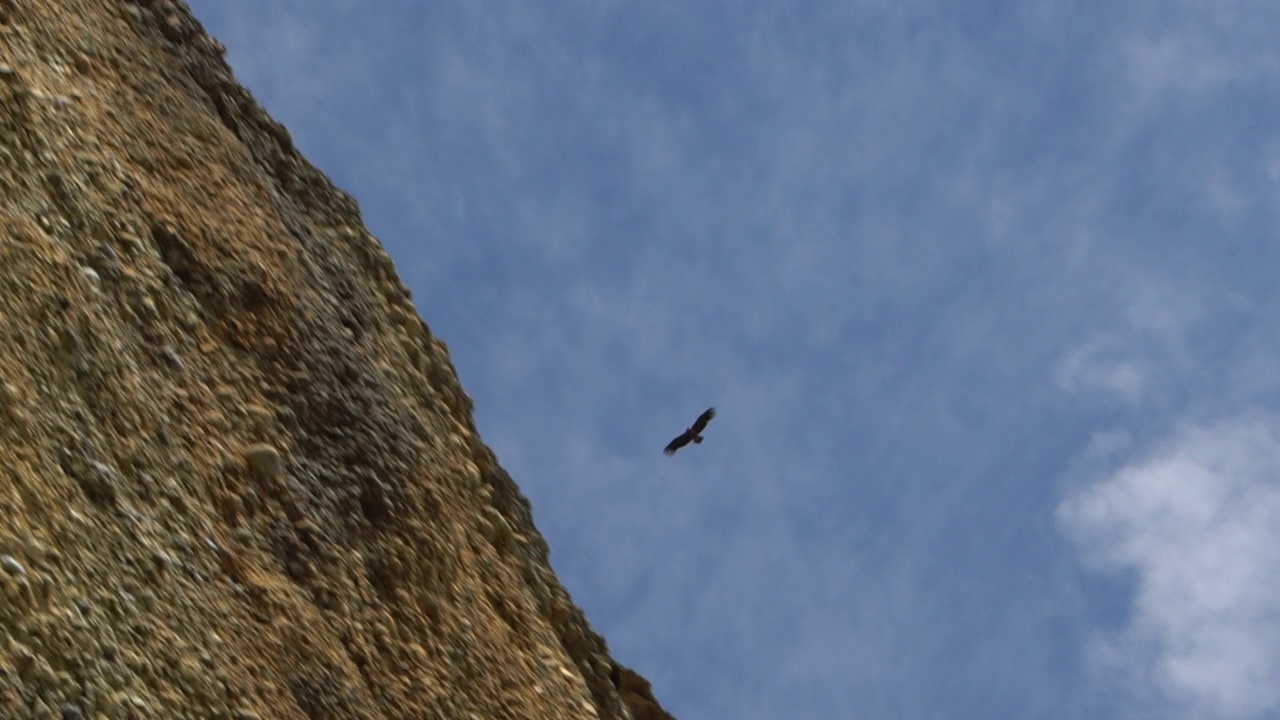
1097	365
1197	524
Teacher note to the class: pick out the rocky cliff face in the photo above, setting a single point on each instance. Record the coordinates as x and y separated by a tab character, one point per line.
238	476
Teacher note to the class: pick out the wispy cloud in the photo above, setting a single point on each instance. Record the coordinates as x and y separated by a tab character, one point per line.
1197	523
1096	366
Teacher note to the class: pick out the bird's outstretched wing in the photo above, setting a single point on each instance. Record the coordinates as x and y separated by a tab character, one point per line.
681	440
702	420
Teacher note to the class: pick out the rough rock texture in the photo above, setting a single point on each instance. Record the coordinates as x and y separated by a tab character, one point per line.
238	476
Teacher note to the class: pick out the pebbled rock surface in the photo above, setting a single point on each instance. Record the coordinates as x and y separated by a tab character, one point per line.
238	476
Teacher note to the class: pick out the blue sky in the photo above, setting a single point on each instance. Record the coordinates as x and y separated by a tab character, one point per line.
985	294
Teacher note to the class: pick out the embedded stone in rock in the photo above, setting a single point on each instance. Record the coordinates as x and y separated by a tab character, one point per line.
264	460
12	566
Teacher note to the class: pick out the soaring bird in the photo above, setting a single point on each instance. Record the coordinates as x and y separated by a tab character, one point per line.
693	433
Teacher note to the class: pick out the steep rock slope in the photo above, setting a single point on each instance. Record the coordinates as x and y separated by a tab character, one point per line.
238	476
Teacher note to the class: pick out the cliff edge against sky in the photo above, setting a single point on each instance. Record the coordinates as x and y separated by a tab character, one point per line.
238	476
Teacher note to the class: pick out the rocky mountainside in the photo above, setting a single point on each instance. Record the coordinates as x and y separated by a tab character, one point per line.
238	476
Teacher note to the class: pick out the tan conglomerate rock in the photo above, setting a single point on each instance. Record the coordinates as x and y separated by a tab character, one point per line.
238	476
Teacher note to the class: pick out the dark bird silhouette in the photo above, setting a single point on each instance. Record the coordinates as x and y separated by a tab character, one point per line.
693	433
